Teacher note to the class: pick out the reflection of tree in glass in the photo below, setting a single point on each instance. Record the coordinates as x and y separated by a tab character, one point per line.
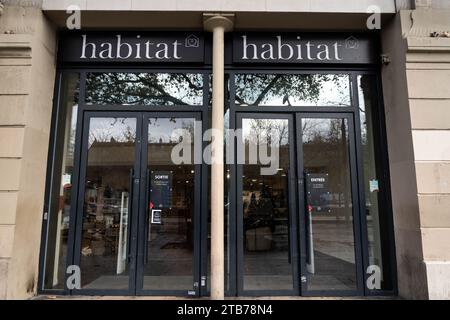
111	130
260	130
169	133
71	94
144	88
365	93
129	134
274	132
293	89
323	130
325	150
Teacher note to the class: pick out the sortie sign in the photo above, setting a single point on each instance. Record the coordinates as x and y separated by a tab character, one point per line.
301	48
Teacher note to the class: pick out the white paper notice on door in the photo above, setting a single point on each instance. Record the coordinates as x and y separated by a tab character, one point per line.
66	179
374	185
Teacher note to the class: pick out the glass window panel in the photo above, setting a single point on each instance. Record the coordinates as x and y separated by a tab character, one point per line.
376	213
257	89
144	88
267	260
61	190
106	226
169	247
329	221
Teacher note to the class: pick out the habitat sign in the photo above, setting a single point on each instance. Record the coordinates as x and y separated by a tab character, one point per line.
302	48
132	47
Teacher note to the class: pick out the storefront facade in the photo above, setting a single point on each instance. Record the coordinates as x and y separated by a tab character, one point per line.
307	201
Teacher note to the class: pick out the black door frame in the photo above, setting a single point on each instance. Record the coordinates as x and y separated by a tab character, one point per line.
297	207
78	211
353	71
137	210
143	212
203	110
355	204
292	209
353	111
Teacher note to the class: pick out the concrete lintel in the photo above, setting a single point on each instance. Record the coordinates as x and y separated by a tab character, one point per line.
176	20
335	6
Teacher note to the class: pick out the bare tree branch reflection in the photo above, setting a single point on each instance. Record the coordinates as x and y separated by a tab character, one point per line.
144	88
292	89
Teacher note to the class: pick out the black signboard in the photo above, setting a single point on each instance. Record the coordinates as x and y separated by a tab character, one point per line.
156	216
302	48
250	47
318	195
161	189
148	47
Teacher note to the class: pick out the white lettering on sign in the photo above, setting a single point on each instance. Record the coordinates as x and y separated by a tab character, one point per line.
317	179
121	49
283	50
161	177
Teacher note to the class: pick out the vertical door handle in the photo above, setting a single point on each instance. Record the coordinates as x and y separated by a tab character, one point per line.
130	211
147	216
289	198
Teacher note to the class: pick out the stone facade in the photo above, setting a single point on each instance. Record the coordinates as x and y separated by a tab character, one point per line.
27	75
416	94
416	97
428	78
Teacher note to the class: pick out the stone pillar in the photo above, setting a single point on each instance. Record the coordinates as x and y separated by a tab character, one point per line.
27	76
428	79
417	105
218	24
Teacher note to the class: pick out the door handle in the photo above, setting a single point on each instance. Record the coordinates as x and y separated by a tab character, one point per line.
289	198
130	212
147	217
310	265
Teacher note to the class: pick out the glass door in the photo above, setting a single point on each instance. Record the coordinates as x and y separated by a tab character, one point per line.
329	215
138	207
297	205
169	222
107	202
267	247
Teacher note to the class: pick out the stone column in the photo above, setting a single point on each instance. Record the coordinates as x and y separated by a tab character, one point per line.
27	77
218	24
417	100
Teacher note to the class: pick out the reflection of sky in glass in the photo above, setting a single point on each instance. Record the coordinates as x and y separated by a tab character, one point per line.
74	117
166	130
112	130
260	131
160	130
322	129
362	113
73	128
295	90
